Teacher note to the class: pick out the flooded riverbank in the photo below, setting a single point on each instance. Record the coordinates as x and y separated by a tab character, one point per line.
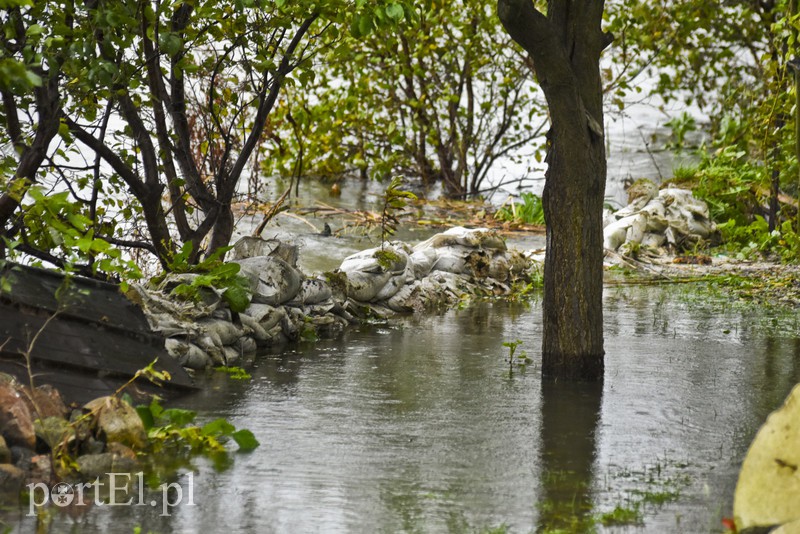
418	427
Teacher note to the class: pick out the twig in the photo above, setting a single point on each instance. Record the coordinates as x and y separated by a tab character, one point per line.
272	212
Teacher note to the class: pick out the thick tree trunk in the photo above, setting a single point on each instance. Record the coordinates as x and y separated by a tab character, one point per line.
565	47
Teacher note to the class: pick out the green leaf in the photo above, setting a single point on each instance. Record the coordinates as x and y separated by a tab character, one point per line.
395	11
245	440
146	416
177	416
218	427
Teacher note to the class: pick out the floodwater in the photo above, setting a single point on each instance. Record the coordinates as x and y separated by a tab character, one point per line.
417	426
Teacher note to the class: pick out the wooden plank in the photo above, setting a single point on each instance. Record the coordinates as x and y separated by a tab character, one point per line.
74	344
89	300
80	387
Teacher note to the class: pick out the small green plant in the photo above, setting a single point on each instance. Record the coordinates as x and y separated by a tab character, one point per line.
171	429
236	373
521	360
529	210
394	201
680	126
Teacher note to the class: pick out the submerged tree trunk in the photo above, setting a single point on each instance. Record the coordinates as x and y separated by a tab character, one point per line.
565	46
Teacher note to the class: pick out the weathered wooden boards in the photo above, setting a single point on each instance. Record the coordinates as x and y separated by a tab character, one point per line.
97	340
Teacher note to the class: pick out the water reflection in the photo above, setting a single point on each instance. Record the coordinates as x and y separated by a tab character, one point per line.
570	419
417	427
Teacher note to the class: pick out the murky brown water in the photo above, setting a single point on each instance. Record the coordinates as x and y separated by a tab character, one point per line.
417	427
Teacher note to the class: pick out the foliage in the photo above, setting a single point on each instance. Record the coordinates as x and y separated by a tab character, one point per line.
733	61
54	223
441	100
529	210
149	130
736	190
236	373
171	430
395	200
214	274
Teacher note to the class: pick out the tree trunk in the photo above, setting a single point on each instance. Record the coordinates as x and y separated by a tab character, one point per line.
565	47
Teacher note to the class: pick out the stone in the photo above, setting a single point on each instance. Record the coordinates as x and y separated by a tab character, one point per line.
92	466
116	420
44	402
5	452
768	490
11	479
54	431
41	469
16	420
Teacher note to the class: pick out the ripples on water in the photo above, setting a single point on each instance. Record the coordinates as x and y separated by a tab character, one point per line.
417	427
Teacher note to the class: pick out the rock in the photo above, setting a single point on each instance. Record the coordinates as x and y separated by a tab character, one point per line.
5	452
117	420
91	466
41	469
768	489
11	479
16	420
788	528
54	431
45	401
123	451
21	457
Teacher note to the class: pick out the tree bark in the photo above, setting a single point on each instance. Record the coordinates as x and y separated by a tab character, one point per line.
565	46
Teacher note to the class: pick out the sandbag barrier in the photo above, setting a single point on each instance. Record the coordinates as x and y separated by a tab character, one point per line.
286	305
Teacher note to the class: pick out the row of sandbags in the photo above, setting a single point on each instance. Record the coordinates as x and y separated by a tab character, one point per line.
285	304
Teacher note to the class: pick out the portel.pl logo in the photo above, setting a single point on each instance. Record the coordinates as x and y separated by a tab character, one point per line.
112	490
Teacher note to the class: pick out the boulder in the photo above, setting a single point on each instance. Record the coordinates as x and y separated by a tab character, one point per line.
116	420
768	490
16	420
45	401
